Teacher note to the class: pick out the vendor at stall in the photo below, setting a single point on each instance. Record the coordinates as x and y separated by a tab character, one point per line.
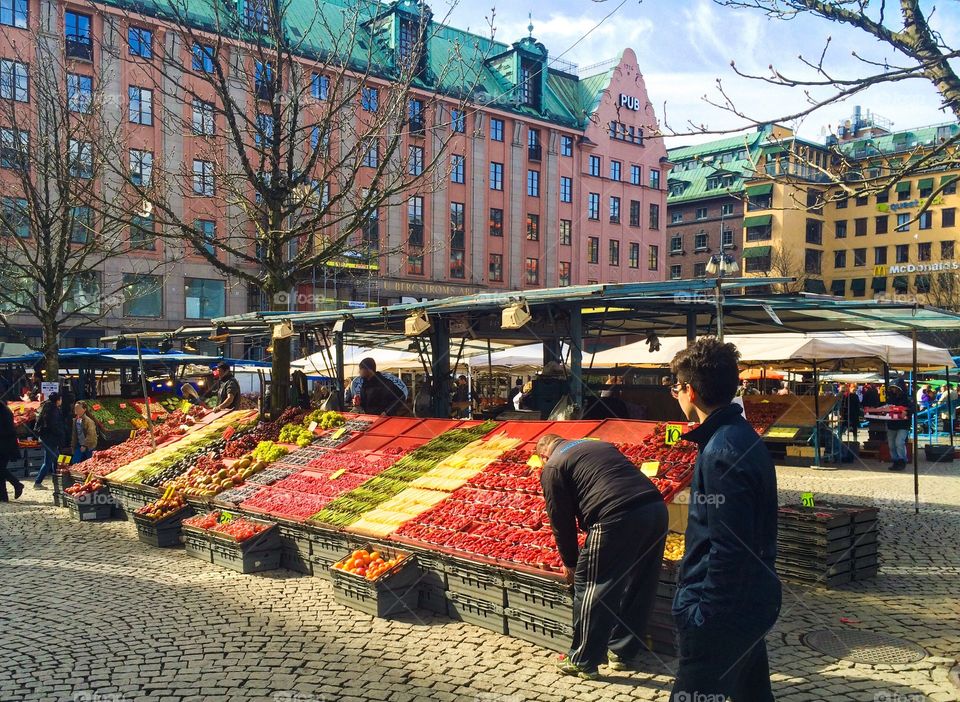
615	575
228	394
378	394
547	390
353	390
83	438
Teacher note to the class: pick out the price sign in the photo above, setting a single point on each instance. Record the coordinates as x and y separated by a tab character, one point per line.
123	405
650	468
48	389
313	427
535	462
671	434
338	433
64	459
184	406
337	473
225	518
133	433
228	433
96	407
806	499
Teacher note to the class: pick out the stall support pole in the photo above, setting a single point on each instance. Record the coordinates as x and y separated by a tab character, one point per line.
338	361
816	412
691	328
886	375
440	360
916	469
551	351
146	397
576	358
946	370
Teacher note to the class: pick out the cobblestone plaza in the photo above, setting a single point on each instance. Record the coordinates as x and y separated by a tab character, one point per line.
93	614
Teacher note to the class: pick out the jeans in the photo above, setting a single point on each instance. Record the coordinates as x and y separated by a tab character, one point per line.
897	441
79	455
49	465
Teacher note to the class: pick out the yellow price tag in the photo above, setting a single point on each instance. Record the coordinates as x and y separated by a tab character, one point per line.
338	433
650	468
535	462
806	499
337	473
671	434
185	406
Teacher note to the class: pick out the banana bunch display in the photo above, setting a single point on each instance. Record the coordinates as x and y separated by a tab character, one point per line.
455	470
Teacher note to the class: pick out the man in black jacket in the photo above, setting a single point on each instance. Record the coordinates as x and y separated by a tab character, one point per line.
615	575
729	594
378	394
49	428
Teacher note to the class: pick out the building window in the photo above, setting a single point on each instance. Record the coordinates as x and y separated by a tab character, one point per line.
533	271
369	99
881	224
496	176
79	92
534	150
319	86
202	58
415	260
701	213
815	232
203	178
813	261
205	299
654	216
951	186
699	270
140	42
496	221
78	36
763	202
860	226
566	189
946	250
496	268
533	183
415	163
202	121
757	264
862	200
880	256
903	222
842	201
904	190
635	175
925	187
614	252
653	257
14	81
264	134
593	206
859	257
593	249
263	80
839	259
621	132
614	210
948	217
415	113
81	225
675	272
496	129
142	235
701	241
256	14
594	166
925	220
566	146
634	254
81	159
458	121
923	251
533	227
883	197
141	167
564	274
13	13
676	218
676	244
141	105
407	42
614	170
529	83
15	149
726	209
457	241
566	232
922	283
458	165
903	253
655	178
207	233
634	213
16	217
415	221
143	295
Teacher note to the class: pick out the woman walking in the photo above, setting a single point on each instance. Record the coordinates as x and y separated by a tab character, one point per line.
49	428
9	451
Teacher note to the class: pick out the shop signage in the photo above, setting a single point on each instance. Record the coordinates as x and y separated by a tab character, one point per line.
672	434
910	204
630	102
421	290
881	271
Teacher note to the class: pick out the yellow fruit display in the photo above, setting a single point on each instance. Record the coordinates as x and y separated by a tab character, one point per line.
673	551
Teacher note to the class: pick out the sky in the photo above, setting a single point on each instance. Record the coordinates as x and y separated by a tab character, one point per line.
685	46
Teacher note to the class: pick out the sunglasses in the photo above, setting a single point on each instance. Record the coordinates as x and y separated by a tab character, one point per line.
677	389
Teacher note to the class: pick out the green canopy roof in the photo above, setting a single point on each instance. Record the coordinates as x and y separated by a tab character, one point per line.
758	190
756	252
948	179
904	186
757	221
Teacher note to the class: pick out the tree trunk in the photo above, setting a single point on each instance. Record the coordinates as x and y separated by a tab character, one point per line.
280	368
51	352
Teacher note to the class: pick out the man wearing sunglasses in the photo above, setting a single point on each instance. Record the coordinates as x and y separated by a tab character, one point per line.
729	593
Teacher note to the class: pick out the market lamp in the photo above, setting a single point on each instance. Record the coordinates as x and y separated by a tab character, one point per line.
515	316
416	324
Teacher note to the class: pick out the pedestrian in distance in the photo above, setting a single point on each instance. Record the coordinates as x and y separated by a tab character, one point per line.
615	575
729	594
49	430
83	438
898	430
9	451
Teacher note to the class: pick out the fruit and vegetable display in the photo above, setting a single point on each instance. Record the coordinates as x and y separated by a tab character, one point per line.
268	451
243	442
295	506
369	565
85	488
238	528
338	436
24	413
166	506
114	413
673	551
329	419
763	414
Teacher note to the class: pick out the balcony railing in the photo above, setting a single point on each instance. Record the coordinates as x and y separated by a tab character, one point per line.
79	48
535	152
417	126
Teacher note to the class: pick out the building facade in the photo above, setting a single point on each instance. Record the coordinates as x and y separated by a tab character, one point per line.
558	179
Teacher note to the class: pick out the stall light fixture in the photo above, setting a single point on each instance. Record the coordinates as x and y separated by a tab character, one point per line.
283	330
723	264
416	324
515	316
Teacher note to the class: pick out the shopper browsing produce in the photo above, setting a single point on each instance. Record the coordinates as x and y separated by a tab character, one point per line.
84	437
615	575
729	594
49	429
352	394
228	395
378	394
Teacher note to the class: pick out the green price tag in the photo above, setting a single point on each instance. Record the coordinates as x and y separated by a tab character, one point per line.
338	433
671	434
225	518
806	499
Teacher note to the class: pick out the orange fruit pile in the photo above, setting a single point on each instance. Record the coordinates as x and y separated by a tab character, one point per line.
367	564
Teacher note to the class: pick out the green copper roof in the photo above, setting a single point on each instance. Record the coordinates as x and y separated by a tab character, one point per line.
455	58
697	168
899	142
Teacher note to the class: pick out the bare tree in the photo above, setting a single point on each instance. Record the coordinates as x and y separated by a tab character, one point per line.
785	264
60	219
304	127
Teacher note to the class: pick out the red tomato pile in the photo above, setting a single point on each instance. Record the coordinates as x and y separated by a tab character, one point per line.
239	529
369	565
81	489
358	462
762	415
321	484
296	506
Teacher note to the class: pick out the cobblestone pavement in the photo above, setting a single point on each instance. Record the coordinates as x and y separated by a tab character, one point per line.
90	613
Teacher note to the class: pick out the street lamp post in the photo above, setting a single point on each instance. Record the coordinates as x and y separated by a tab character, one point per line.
721	264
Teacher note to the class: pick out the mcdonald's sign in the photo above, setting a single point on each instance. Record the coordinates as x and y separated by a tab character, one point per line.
879	271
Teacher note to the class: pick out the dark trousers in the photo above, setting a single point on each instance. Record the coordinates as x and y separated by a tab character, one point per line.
615	584
6	477
723	660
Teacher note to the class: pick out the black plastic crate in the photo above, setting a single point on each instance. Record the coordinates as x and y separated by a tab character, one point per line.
89	511
164	533
432	599
376	602
196	543
251	560
662	640
476	580
476	611
433	569
293	537
543	597
330	546
542	632
292	559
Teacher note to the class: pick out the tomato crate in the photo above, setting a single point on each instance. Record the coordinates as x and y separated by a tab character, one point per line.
432	599
393	426
164	533
477	612
476	580
255	559
551	635
90	510
543	597
623	430
196	543
430	428
61	481
366	597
